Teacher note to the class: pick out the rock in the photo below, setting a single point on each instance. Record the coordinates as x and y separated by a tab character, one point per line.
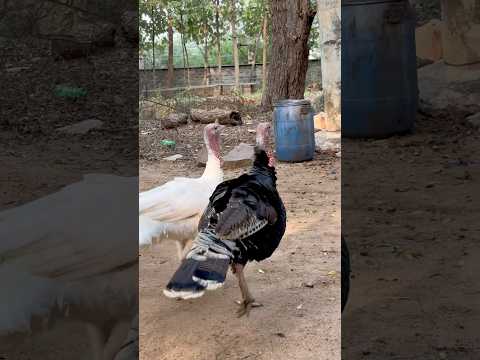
423	62
82	39
327	141
428	39
202	157
82	127
240	156
322	122
129	25
173	157
442	86
474	120
174	120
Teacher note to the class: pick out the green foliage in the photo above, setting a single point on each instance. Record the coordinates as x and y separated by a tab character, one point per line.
195	21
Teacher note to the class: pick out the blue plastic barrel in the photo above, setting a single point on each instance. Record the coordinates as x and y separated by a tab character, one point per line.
379	72
294	132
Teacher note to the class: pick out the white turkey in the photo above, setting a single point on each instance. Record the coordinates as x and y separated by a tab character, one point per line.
73	255
172	211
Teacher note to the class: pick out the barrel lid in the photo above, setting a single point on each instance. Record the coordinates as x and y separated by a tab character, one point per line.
368	2
292	102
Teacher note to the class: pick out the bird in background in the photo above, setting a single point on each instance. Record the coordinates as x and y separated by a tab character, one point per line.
173	210
244	221
72	255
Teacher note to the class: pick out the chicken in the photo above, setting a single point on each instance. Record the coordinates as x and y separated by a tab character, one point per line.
72	255
244	221
172	211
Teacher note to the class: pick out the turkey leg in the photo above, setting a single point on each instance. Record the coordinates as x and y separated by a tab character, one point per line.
247	299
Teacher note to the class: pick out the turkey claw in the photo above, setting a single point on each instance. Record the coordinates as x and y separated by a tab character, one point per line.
246	306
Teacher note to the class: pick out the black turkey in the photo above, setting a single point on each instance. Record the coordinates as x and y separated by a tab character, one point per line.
244	221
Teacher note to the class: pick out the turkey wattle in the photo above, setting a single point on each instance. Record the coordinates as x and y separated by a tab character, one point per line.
172	211
244	221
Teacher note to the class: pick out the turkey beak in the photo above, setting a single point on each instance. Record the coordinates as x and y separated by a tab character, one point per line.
220	128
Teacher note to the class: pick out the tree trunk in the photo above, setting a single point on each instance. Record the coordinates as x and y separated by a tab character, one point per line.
170	75
188	63
205	57
219	41
233	23
184	45
184	59
291	24
264	55
153	51
254	59
224	117
330	40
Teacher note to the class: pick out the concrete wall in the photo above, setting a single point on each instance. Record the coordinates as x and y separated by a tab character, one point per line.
147	82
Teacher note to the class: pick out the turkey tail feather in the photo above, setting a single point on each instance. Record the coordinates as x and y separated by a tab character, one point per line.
182	285
193	277
211	273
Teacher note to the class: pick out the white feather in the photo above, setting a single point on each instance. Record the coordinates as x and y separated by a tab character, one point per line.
61	250
172	211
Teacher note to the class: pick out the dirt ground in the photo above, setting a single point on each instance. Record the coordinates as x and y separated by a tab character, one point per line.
38	160
410	215
299	285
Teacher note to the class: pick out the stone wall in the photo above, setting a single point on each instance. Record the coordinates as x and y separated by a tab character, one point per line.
314	76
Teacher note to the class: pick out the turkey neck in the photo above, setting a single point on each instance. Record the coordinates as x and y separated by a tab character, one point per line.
213	167
262	166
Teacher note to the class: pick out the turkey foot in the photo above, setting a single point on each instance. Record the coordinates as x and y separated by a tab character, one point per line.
246	306
248	300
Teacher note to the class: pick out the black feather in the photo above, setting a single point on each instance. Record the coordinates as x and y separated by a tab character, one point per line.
240	204
248	207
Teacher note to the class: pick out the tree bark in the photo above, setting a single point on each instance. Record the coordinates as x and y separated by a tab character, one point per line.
184	45
233	23
291	24
184	59
205	57
254	59
264	52
219	41
170	75
153	50
224	117
188	63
